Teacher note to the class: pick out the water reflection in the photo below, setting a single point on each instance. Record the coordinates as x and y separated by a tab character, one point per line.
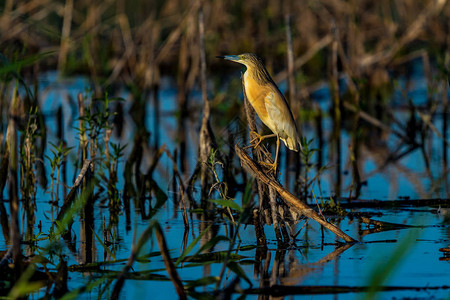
380	151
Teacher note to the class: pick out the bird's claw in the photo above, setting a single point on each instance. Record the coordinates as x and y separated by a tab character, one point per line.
272	166
258	137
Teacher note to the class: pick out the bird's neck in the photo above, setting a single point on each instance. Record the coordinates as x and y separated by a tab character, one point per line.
258	74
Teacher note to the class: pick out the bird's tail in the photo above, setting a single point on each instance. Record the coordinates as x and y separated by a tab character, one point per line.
292	144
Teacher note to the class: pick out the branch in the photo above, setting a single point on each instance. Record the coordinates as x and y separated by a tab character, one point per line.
293	201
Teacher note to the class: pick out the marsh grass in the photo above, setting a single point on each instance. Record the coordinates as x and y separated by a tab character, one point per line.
351	47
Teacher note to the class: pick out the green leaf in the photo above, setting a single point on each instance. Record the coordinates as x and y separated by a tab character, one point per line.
191	246
85	289
211	243
227	203
24	286
236	268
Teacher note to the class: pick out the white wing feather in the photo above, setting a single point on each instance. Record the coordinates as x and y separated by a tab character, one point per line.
282	122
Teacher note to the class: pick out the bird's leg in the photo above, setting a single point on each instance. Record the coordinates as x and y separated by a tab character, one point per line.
259	137
276	155
275	164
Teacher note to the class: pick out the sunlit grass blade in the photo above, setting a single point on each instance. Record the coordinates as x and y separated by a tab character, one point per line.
24	286
191	246
236	268
383	271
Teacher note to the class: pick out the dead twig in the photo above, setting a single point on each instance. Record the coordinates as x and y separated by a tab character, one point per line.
183	202
299	62
65	35
156	158
206	139
170	267
426	118
414	30
375	122
178	176
69	198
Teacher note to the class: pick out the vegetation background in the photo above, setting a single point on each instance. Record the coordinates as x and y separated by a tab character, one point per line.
357	48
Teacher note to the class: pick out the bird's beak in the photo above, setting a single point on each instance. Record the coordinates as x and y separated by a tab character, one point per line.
230	57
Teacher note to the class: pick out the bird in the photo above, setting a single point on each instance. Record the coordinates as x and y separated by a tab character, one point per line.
269	104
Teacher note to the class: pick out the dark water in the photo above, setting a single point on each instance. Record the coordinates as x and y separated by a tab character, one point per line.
311	261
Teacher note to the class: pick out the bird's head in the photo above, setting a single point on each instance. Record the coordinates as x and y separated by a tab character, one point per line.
250	60
255	66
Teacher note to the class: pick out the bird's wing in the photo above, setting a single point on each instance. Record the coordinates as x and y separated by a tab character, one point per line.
283	121
273	111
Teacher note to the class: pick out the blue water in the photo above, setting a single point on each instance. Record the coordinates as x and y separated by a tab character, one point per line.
419	265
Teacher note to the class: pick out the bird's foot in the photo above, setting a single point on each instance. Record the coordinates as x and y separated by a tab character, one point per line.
257	137
271	166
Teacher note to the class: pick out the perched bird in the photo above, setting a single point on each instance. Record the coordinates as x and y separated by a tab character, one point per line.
268	102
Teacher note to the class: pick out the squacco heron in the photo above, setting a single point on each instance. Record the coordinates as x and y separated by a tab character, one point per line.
268	102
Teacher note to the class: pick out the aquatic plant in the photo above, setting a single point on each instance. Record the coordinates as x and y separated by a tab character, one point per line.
182	203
